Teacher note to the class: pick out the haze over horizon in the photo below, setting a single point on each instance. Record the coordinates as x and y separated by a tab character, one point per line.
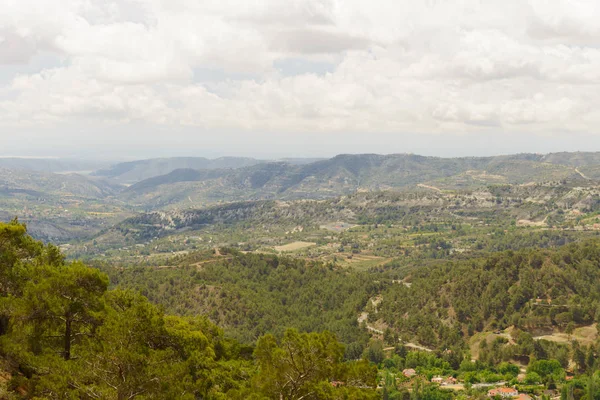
483	148
268	79
450	152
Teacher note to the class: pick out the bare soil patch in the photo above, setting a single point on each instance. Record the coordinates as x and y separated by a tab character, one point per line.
337	226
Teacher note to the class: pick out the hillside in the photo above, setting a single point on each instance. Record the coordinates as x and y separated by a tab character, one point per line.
36	182
41	198
573	159
437	304
356	219
65	335
58	207
340	175
253	294
135	171
478	262
537	291
474	318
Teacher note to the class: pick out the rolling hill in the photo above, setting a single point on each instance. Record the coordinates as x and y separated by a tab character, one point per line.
38	183
258	222
58	207
135	171
343	174
43	197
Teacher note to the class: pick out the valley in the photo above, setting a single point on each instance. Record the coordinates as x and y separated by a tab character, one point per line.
475	269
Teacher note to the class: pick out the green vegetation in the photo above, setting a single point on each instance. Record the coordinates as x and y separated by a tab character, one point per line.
250	295
65	336
533	290
343	174
69	207
322	283
490	308
59	207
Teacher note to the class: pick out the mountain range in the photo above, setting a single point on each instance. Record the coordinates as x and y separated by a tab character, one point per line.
135	171
107	195
346	174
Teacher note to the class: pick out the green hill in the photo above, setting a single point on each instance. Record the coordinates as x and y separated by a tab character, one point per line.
65	335
135	171
340	175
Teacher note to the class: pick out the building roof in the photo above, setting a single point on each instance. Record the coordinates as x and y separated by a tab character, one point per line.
502	390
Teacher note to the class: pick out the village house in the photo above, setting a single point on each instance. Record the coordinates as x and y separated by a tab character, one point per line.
444	381
523	396
503	392
409	372
450	381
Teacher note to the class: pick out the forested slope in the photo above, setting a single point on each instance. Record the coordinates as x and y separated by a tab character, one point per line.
253	294
533	290
342	174
64	335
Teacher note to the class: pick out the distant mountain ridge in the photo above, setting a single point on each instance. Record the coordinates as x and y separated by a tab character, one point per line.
345	173
84	204
197	181
45	183
139	170
135	171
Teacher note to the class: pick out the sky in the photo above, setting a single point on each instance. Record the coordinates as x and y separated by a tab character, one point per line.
297	78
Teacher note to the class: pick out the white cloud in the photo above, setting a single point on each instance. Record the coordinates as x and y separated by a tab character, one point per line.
575	21
396	66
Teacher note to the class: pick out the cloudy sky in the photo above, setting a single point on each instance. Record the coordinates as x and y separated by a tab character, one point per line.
141	78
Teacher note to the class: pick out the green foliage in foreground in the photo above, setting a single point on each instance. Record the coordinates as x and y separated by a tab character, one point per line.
66	336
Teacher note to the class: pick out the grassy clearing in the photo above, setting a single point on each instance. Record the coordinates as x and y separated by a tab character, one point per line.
294	246
585	335
489	337
360	261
